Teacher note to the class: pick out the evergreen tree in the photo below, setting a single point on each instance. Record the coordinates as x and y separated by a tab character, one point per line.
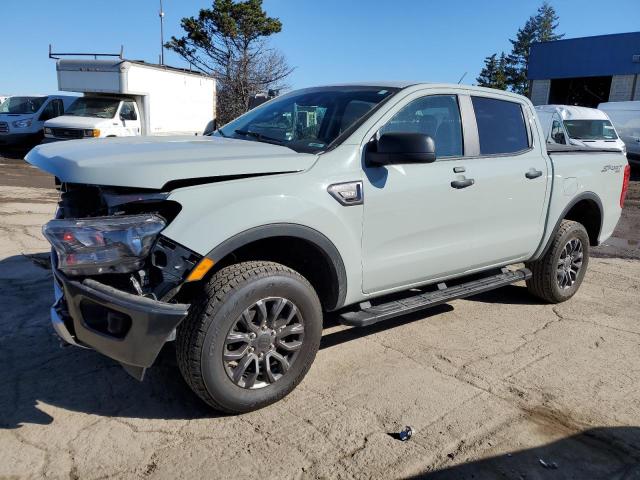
540	27
494	74
518	59
229	42
547	22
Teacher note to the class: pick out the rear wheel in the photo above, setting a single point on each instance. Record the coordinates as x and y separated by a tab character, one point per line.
557	276
251	336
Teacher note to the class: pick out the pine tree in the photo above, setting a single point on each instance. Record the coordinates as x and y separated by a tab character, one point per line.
493	74
510	72
518	59
547	22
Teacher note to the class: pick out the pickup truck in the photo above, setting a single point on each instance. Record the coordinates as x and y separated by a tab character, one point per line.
371	200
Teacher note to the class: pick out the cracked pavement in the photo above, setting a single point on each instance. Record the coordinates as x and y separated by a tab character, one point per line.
498	385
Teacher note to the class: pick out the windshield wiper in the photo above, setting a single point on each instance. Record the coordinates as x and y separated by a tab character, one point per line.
259	136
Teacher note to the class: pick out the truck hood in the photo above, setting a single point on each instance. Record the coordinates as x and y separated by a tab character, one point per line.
152	162
72	121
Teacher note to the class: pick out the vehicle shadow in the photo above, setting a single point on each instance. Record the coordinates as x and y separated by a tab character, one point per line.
599	453
15	153
37	371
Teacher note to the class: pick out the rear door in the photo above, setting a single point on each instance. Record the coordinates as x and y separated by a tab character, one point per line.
510	181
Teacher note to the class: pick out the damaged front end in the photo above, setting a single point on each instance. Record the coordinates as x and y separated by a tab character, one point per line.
116	278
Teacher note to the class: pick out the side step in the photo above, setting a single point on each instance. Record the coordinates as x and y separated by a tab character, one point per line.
383	311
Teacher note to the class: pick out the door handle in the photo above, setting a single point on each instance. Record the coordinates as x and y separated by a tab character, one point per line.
467	182
533	173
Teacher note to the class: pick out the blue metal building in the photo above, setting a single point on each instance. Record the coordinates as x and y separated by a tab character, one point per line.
586	71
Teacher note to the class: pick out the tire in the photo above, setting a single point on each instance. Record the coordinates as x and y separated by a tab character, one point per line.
229	307
550	280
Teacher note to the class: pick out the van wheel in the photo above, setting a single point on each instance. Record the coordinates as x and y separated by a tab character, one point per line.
559	273
250	336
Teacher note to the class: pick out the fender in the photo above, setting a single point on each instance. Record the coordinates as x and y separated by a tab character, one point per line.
574	201
322	243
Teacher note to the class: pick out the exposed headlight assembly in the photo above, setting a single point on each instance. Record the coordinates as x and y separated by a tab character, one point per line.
90	246
22	123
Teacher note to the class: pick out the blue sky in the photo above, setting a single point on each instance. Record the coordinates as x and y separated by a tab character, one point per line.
329	41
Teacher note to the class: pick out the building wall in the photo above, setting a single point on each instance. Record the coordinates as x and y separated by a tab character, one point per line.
622	88
540	91
636	95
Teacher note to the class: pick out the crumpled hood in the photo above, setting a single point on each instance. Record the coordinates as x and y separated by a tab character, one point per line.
151	162
72	121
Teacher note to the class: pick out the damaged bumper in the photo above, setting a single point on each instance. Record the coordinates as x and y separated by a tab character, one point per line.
128	328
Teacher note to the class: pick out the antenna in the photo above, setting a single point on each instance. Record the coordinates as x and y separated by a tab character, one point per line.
161	34
462	77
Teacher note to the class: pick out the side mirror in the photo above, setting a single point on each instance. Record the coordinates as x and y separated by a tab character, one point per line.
396	148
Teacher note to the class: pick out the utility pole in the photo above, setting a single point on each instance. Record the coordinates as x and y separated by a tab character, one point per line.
161	34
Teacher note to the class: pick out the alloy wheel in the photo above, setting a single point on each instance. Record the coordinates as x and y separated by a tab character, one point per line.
263	343
569	264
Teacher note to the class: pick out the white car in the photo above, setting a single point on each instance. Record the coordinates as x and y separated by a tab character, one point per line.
625	117
579	126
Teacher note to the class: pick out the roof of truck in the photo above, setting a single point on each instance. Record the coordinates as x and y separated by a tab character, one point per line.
74	64
572	112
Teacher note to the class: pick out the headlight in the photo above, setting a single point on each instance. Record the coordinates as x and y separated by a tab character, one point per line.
47	131
94	132
22	123
97	245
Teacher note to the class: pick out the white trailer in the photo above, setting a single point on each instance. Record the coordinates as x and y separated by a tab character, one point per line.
128	98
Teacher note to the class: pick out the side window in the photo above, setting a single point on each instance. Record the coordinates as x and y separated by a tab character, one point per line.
557	134
437	116
48	112
501	126
128	111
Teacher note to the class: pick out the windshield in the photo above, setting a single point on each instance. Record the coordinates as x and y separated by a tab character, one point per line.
307	120
590	129
93	107
22	105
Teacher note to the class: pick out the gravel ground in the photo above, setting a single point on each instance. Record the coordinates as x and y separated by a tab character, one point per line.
496	386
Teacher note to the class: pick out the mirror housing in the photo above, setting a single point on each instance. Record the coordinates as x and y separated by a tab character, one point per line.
398	148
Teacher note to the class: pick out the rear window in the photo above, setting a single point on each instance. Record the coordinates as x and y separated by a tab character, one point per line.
501	126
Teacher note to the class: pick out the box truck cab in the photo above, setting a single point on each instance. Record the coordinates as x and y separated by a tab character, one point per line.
579	126
22	118
124	98
96	116
625	117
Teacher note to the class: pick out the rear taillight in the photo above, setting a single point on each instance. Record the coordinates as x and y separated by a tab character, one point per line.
625	184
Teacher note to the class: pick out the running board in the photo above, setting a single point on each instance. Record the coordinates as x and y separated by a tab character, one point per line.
377	313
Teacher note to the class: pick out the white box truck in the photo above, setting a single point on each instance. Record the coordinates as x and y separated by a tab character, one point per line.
123	98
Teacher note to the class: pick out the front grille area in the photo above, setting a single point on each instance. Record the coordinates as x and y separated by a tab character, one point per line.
66	132
4	127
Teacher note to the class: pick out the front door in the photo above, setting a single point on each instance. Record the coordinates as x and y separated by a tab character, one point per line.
414	221
130	118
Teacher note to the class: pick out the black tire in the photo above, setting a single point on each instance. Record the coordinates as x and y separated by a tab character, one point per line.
201	338
546	280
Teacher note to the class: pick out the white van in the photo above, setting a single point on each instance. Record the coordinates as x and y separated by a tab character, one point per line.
625	117
22	118
125	98
579	126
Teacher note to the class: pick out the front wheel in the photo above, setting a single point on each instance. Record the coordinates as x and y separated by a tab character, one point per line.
557	276
250	337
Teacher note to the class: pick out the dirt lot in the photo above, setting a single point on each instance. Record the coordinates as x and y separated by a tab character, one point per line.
497	386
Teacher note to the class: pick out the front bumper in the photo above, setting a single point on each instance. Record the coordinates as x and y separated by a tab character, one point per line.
84	314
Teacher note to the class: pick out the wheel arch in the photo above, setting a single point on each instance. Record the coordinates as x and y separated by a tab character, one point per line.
586	209
299	247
